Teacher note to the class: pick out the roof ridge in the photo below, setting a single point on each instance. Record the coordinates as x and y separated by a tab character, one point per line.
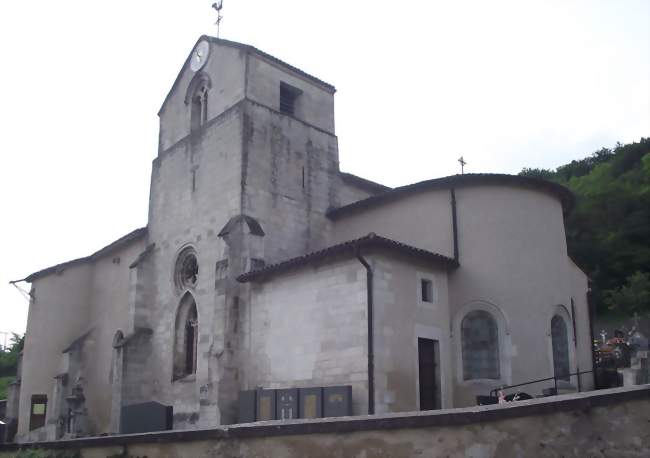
246	47
133	235
240	45
562	193
370	239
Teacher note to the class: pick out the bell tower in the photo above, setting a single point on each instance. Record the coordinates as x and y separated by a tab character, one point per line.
247	167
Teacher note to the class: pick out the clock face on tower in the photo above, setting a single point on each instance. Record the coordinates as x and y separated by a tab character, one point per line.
200	55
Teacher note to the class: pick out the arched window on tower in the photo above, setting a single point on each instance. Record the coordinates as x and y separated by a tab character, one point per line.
196	98
480	346
560	343
186	338
199	113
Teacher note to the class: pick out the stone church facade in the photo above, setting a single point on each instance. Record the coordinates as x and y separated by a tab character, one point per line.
263	265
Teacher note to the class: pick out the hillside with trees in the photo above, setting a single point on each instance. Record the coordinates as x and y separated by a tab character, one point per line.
9	363
608	230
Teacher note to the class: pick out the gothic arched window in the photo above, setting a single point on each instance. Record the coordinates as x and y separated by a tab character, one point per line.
480	346
560	343
186	338
196	98
199	113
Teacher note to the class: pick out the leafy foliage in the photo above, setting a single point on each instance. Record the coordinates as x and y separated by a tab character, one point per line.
41	453
4	383
634	296
608	232
9	357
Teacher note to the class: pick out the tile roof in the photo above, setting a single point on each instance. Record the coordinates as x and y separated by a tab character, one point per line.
119	243
350	247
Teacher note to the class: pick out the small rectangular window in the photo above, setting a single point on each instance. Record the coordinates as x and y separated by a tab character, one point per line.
427	290
288	98
37	411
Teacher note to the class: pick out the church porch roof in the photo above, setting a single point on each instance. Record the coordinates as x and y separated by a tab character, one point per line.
350	247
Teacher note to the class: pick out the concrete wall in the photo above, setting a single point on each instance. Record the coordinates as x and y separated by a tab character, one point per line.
91	296
422	220
582	343
109	313
66	294
401	317
348	193
309	328
513	263
608	423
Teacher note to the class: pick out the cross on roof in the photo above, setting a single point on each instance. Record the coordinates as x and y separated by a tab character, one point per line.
462	164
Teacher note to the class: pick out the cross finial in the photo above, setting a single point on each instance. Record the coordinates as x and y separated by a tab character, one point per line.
218	5
462	164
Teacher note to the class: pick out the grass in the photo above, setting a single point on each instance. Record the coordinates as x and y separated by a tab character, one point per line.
4	383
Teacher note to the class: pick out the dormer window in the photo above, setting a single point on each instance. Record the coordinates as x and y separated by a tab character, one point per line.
288	98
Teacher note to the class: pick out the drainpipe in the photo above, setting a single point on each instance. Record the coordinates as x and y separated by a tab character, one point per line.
590	309
454	222
371	351
575	342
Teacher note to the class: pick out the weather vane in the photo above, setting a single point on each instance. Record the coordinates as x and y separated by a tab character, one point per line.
462	165
218	5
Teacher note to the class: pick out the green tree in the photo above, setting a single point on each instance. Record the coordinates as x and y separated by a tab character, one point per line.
9	357
608	231
632	297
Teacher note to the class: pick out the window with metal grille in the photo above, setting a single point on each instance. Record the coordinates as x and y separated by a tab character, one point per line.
480	346
560	342
288	98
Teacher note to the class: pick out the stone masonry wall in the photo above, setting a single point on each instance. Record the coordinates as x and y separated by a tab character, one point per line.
310	329
181	215
608	423
289	181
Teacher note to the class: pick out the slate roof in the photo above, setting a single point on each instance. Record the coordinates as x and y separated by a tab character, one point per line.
371	240
119	243
468	179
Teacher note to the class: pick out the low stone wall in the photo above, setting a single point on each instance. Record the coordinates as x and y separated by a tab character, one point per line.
607	423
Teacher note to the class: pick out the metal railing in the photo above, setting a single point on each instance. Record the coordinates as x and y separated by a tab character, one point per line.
555	378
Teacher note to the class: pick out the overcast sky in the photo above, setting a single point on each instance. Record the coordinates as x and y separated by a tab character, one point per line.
506	84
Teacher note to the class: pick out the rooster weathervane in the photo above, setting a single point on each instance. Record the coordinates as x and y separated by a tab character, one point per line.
218	5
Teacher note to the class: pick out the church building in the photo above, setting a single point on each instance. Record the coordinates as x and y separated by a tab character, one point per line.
264	266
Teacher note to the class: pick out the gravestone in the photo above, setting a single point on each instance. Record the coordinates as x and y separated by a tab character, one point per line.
287	404
311	402
146	417
265	405
246	406
337	401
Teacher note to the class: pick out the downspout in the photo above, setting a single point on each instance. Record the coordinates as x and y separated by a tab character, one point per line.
590	309
371	351
575	342
454	223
